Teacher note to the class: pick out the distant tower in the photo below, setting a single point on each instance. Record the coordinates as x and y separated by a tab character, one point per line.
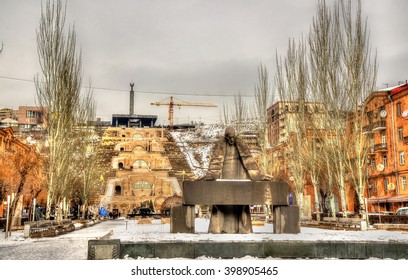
132	99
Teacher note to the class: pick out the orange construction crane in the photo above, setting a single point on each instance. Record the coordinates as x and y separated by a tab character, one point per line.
173	103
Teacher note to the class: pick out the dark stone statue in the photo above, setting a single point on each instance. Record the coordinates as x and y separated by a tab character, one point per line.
231	160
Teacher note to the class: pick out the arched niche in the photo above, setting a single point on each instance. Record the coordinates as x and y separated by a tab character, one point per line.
137	136
138	148
142	185
140	163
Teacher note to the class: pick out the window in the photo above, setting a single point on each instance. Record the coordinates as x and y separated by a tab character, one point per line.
373	164
30	114
118	190
386	184
399	110
142	185
400	133
385	161
383	139
402	157
403	182
374	186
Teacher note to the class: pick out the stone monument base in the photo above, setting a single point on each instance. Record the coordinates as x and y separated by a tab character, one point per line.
300	249
286	219
182	219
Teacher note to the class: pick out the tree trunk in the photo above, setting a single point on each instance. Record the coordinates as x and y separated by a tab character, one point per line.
316	198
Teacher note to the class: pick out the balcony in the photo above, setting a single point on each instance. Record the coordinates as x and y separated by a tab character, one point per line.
368	129
371	151
377	126
382	148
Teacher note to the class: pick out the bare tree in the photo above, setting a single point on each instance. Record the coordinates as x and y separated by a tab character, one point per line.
340	74
323	42
59	94
87	148
263	100
352	75
225	117
292	86
360	78
238	115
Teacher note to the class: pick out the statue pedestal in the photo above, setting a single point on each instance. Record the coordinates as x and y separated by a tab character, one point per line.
235	192
182	219
230	197
286	219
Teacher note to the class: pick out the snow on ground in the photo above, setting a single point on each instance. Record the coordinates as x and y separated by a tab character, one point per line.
74	245
158	231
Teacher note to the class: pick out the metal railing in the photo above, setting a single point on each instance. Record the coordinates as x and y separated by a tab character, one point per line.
380	147
379	125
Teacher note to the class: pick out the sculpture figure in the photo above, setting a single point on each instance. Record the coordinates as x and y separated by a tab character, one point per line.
231	160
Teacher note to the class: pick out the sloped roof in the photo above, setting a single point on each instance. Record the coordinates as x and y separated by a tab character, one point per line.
394	89
399	89
8	120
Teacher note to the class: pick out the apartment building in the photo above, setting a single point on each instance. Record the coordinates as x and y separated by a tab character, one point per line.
7	113
281	121
30	117
9	144
387	132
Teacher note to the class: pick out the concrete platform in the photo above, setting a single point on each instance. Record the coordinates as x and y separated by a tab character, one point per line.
264	249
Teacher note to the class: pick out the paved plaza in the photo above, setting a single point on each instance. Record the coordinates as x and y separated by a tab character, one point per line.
74	245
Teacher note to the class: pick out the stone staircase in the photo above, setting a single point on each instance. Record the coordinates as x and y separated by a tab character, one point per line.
177	160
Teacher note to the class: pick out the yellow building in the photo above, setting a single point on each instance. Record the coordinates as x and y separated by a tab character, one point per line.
141	169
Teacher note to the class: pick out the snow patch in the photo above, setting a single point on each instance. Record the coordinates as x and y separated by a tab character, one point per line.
196	144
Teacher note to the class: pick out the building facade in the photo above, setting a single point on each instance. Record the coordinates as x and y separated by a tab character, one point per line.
141	172
30	117
387	135
9	144
7	113
282	118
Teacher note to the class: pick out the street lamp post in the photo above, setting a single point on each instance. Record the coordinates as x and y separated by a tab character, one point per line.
8	216
34	209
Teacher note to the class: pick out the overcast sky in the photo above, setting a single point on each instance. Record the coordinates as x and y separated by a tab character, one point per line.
188	49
